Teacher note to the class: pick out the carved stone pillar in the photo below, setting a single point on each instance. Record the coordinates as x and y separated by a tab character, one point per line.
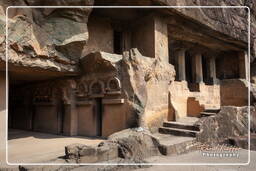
70	110
212	68
198	68
243	65
180	57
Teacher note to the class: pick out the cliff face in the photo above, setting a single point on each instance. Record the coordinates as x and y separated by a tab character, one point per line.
42	46
229	21
45	38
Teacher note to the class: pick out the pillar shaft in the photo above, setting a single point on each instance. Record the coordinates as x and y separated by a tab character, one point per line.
243	65
212	68
198	68
180	57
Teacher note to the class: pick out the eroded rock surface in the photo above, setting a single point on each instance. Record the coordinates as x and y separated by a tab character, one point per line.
141	76
46	38
229	122
133	145
144	82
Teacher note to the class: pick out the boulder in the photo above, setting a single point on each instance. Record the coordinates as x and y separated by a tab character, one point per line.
80	153
141	76
135	144
229	122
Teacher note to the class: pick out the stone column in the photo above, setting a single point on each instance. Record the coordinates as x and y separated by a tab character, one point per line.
70	120
126	44
198	68
243	65
212	69
180	57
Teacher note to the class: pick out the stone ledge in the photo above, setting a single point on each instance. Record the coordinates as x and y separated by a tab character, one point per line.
84	103
113	101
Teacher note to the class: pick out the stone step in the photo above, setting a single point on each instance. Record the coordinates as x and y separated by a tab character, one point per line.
175	145
212	110
180	125
177	148
178	132
205	114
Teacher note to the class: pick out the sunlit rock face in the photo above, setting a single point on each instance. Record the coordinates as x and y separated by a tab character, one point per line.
48	38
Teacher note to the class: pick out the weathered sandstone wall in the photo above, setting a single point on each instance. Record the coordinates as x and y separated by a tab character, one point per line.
234	92
100	36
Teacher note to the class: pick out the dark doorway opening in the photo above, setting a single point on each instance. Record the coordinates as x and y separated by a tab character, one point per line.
174	62
206	71
33	117
118	38
99	111
190	73
21	110
188	65
61	117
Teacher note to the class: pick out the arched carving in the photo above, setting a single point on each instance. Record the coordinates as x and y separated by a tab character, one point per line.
97	88
82	89
114	84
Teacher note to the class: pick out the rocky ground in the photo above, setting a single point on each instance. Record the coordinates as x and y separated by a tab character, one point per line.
173	160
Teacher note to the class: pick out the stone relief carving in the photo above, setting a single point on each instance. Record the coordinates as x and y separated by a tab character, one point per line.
113	84
97	87
82	89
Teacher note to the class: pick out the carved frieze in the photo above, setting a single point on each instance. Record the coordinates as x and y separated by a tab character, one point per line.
113	84
82	89
98	87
